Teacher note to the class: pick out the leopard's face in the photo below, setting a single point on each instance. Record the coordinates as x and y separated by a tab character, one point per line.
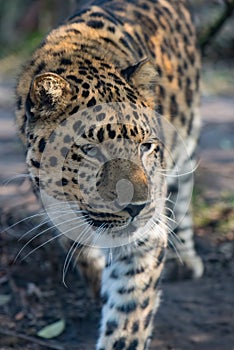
102	177
95	150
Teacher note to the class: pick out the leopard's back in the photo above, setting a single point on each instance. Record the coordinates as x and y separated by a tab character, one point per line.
123	34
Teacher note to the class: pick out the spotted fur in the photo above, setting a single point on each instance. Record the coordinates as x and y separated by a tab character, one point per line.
88	102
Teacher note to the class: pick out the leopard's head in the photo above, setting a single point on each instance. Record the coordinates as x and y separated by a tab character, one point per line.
98	165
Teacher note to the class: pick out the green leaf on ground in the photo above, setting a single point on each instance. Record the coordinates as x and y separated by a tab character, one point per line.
53	330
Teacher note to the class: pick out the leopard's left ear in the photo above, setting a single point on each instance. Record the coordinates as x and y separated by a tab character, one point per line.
143	76
49	93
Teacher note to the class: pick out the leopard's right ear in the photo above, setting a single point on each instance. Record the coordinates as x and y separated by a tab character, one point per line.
49	93
144	77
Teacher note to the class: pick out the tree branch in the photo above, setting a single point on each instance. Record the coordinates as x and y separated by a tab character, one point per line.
215	27
47	344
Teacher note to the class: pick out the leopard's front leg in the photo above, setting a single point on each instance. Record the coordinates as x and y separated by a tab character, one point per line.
130	296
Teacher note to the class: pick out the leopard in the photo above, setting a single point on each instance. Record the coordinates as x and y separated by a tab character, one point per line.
108	111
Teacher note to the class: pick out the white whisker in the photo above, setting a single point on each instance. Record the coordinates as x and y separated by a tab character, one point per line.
41	233
18	176
72	250
40	246
169	240
168	218
98	233
180	174
171	212
24	219
47	221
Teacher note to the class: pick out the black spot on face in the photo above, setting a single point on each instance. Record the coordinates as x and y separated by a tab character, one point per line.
173	106
64	151
85	86
183	118
188	92
64	181
111	29
72	30
159	70
53	161
100	117
76	157
85	93
77	125
160	109
185	65
39	68
91	102
162	93
111	133
178	27
74	110
42	144
19	102
82	175
97	108
135	114
170	77
190	124
74	181
37	181
145	6
67	139
66	61
74	78
100	135
35	163
60	70
82	71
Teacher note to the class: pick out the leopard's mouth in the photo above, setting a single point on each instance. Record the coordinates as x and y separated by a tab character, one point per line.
118	221
107	221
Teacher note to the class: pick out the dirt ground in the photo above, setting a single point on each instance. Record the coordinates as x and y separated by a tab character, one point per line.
193	314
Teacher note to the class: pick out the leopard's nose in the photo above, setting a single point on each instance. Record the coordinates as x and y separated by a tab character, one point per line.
134	209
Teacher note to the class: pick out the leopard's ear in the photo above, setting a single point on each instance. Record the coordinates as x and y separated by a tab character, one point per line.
143	76
49	93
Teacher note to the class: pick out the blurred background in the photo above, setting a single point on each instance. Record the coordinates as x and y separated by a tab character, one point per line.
31	292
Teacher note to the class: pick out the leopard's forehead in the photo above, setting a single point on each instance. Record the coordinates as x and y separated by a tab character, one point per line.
113	121
99	123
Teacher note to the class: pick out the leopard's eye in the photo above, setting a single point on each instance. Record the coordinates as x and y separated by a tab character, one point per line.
147	147
90	150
